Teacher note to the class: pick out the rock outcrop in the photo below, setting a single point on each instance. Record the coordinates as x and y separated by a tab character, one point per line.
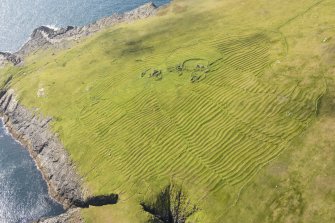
60	38
44	37
9	57
71	216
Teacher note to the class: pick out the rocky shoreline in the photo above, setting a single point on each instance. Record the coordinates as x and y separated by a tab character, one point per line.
71	216
44	37
33	130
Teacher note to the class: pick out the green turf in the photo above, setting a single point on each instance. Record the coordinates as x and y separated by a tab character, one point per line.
205	94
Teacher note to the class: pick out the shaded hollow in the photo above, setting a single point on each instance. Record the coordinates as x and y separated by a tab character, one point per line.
171	205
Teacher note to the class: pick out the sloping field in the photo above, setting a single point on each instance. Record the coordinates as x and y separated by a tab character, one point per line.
204	95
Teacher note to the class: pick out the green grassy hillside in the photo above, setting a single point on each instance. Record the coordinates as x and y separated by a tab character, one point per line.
202	96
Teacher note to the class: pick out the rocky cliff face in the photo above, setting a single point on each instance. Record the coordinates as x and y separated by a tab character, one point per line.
8	57
50	156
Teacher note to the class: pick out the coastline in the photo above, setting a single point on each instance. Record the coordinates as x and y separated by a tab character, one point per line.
46	36
51	159
33	131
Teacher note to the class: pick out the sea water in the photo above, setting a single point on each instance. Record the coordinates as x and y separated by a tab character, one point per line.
18	18
23	192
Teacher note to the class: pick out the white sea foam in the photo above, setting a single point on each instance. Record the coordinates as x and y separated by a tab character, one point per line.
6	132
18	18
54	27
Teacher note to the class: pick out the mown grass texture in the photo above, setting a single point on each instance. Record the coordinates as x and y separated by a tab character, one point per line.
204	94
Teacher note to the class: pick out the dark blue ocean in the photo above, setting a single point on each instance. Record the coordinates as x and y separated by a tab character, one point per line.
23	192
18	18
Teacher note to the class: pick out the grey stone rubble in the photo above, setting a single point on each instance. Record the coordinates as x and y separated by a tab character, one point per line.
43	36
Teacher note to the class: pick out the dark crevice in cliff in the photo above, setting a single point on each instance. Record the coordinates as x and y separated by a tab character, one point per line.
172	205
97	201
2	93
8	80
8	102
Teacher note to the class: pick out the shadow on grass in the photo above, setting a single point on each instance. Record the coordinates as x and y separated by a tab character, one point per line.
170	206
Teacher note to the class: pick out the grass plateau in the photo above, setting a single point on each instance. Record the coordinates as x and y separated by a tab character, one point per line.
203	95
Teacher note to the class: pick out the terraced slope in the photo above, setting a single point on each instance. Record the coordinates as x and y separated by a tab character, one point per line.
183	97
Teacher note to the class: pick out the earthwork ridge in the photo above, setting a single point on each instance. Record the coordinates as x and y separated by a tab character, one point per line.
203	115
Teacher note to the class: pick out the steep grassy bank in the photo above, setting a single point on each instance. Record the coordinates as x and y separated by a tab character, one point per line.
203	95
